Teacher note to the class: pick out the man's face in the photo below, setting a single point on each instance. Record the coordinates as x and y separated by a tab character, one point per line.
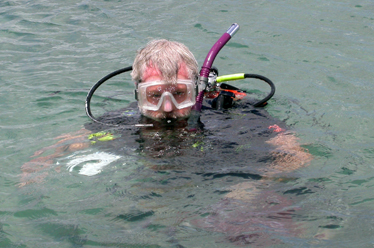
167	110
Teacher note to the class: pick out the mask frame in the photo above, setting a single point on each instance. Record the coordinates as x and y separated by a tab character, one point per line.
141	95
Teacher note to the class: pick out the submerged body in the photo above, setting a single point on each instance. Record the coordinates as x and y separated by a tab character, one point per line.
242	132
241	142
237	145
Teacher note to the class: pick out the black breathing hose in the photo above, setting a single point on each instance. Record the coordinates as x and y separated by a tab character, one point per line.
263	102
94	88
260	103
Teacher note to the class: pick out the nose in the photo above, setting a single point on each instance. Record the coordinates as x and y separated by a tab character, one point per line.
167	105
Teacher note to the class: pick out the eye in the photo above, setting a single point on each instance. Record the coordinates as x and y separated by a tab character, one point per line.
178	93
155	94
153	97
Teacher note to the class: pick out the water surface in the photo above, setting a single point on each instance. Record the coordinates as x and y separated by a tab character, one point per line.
319	55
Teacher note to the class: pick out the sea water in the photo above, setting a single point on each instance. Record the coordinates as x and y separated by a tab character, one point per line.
319	54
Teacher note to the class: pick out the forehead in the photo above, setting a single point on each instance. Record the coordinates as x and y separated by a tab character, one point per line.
154	74
166	87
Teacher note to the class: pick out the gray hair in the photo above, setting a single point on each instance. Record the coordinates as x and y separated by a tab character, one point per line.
167	56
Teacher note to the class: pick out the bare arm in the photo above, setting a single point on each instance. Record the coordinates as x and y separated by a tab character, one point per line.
78	141
288	153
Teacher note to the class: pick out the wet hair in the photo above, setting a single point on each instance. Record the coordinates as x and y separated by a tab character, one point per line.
166	56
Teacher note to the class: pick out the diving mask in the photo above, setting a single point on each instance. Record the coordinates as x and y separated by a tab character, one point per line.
151	95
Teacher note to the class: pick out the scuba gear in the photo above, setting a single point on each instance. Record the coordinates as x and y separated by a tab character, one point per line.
95	87
151	95
210	86
206	68
228	93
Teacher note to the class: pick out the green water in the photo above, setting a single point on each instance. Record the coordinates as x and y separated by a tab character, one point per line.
319	54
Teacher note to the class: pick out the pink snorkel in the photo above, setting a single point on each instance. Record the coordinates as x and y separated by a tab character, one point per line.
205	70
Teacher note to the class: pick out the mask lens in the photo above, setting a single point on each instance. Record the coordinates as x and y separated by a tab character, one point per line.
180	93
152	94
155	93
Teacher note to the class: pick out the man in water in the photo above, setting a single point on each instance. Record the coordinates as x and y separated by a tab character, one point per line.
165	75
